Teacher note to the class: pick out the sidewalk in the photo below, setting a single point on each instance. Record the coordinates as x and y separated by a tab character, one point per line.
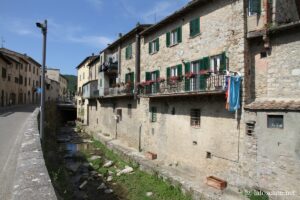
189	181
9	108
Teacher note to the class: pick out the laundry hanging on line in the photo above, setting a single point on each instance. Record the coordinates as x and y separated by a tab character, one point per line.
233	88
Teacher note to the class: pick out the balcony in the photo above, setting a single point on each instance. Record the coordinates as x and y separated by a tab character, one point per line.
109	67
119	91
90	90
194	85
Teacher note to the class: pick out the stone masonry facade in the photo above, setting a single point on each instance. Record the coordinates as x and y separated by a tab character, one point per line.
245	148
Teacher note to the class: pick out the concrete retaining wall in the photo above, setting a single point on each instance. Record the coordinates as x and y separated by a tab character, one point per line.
32	180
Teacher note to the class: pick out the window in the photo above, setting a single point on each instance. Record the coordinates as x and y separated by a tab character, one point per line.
128	52
153	114
20	80
174	37
195	117
254	7
174	71
29	81
25	81
119	113
33	69
263	54
275	121
154	46
8	78
3	72
16	80
194	27
129	112
217	63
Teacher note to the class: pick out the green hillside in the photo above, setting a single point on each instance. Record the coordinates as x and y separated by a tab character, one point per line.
72	82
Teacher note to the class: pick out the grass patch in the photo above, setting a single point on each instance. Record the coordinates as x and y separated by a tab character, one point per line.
256	195
134	186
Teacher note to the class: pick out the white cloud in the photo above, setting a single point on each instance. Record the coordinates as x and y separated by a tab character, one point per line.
92	40
97	4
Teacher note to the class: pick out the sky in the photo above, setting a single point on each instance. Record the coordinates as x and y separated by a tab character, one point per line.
76	28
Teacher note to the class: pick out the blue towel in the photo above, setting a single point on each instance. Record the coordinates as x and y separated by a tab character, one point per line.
234	98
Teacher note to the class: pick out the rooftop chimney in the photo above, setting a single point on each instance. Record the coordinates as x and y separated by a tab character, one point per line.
120	35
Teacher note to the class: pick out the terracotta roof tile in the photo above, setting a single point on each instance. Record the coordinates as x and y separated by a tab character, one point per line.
274	105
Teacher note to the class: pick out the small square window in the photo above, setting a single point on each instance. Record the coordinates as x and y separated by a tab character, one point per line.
263	54
275	121
195	117
119	113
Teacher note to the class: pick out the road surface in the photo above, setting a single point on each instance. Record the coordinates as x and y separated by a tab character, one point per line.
12	127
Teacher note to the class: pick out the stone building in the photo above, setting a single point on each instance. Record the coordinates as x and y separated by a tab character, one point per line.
117	75
55	75
272	111
52	90
184	62
83	78
21	77
176	107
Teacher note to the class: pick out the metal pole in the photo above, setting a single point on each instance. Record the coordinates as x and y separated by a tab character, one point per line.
42	113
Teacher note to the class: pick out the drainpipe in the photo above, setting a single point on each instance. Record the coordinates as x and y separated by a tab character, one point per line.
137	63
267	7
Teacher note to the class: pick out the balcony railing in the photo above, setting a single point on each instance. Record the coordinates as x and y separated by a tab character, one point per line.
197	84
126	90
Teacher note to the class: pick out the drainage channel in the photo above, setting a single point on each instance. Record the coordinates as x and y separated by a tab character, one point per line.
83	178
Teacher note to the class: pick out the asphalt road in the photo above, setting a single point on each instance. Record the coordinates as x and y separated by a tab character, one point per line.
12	127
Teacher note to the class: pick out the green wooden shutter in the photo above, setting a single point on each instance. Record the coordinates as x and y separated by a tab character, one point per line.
187	68
255	6
126	53
197	25
206	63
132	77
192	28
130	51
148	76
157	74
168	38
168	73
150	47
179	34
179	70
223	62
157	44
126	78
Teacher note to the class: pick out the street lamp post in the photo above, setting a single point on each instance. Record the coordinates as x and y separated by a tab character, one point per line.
43	27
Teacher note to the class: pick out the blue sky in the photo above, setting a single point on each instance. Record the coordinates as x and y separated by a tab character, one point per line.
76	28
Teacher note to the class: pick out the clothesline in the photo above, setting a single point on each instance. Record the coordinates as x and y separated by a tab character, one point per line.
232	87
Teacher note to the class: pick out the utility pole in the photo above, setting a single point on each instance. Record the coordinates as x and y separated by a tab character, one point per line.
43	27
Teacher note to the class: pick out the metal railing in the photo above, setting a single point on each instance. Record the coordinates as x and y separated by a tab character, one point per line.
198	83
119	91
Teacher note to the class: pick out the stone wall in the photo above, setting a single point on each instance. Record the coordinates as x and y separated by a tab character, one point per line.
32	180
285	11
274	153
221	29
277	75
